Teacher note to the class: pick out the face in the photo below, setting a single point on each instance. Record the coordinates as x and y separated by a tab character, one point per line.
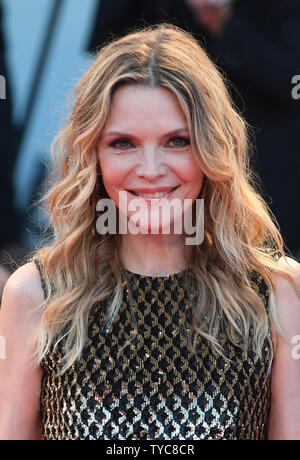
145	153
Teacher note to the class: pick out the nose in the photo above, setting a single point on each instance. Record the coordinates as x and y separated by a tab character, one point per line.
150	166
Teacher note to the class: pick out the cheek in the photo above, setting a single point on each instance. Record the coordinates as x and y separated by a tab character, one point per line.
192	175
113	172
198	176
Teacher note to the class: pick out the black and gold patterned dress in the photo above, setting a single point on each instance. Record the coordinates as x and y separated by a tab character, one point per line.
155	388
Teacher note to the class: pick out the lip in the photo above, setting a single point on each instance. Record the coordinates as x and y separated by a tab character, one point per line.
152	190
153	200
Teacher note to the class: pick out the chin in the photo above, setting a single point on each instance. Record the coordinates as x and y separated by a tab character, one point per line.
157	228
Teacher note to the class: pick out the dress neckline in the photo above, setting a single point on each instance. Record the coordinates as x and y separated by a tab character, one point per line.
156	277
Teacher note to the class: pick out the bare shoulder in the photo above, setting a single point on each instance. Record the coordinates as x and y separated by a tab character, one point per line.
286	299
23	289
284	422
20	378
21	306
290	264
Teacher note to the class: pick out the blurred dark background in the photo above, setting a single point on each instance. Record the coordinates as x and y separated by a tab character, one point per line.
256	43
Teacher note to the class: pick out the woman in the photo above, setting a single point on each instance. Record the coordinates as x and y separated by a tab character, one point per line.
139	335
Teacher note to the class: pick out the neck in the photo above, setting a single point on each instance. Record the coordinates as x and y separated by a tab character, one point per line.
154	255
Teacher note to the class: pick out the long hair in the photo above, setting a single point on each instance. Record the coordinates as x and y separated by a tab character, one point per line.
81	267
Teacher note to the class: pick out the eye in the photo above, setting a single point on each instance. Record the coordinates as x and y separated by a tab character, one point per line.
179	141
121	143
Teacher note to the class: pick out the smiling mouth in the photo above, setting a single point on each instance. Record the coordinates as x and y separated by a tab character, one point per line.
156	195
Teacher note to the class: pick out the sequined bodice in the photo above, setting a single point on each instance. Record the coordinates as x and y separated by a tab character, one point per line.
156	387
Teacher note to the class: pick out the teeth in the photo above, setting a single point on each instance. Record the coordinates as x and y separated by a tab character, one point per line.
153	195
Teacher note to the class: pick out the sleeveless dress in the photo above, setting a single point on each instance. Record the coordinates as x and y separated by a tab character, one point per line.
155	388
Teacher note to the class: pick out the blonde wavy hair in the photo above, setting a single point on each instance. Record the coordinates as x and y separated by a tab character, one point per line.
81	267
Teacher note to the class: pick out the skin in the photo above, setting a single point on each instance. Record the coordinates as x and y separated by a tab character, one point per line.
20	380
145	154
284	421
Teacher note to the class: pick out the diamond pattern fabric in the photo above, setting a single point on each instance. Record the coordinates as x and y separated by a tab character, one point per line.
155	387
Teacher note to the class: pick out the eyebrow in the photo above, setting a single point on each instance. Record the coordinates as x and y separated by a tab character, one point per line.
170	133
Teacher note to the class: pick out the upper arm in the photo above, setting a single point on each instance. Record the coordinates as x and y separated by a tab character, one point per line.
20	379
284	422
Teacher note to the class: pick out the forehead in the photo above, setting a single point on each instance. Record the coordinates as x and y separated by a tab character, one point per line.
137	106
